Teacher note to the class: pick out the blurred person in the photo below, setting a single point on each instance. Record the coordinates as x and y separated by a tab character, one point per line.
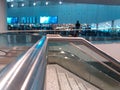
77	27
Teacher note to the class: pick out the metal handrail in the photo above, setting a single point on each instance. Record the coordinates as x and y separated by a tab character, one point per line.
22	75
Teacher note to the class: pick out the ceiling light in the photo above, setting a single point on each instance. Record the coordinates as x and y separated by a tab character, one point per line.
23	4
34	4
12	5
46	3
10	0
60	2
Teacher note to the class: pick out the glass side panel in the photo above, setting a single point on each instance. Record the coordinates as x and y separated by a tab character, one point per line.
14	45
100	62
19	39
83	64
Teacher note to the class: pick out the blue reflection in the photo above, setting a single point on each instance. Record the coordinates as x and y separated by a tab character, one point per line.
41	42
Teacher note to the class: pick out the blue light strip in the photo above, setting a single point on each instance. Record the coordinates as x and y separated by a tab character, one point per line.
41	42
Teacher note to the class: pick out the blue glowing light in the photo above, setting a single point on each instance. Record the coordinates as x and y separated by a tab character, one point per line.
41	42
48	19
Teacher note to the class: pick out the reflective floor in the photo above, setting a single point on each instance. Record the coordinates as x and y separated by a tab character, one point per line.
11	54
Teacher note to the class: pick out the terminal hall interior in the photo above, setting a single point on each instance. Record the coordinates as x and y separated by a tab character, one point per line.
59	44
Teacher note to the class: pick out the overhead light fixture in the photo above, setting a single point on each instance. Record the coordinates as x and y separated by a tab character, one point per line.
10	0
46	3
34	4
23	5
12	5
60	2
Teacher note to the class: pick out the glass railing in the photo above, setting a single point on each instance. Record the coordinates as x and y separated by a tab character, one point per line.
19	39
101	62
89	34
86	61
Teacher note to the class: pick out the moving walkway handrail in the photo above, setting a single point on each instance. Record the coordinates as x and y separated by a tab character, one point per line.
28	72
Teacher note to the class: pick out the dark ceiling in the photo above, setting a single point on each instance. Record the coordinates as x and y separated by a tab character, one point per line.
111	2
108	2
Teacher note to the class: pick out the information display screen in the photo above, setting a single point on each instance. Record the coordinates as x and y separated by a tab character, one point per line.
48	19
23	20
12	20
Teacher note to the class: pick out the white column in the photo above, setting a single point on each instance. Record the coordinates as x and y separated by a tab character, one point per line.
3	23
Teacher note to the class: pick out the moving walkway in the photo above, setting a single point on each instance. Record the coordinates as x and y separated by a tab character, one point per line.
76	55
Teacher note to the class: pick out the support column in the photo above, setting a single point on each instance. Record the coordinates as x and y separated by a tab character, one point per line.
3	23
112	25
97	26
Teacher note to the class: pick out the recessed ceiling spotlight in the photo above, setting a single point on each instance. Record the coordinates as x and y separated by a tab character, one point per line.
12	5
34	4
46	3
60	2
23	5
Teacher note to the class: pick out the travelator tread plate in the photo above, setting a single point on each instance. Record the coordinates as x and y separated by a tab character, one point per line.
57	78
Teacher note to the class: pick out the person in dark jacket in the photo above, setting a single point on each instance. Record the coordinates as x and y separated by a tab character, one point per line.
77	27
